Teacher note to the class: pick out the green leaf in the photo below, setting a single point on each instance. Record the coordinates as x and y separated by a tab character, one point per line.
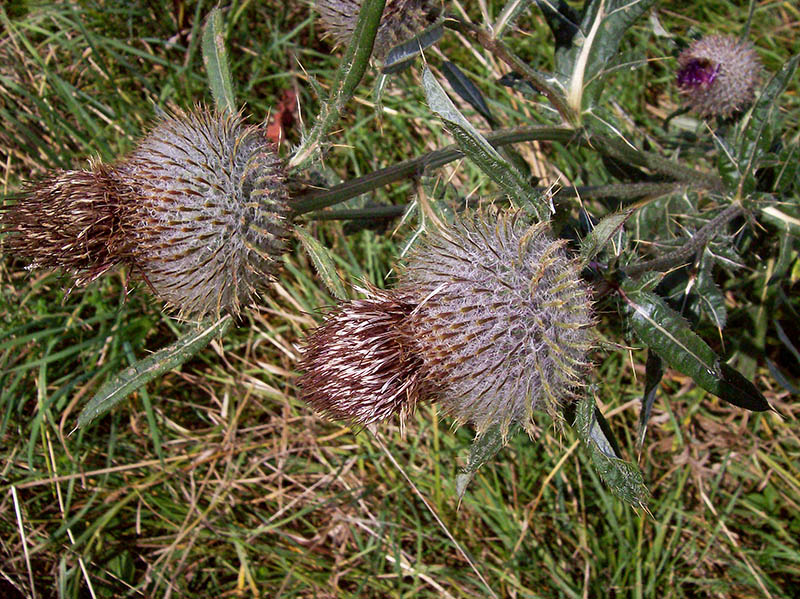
400	57
654	370
322	259
483	449
215	59
623	478
666	332
510	13
468	91
477	149
601	234
712	302
147	369
593	48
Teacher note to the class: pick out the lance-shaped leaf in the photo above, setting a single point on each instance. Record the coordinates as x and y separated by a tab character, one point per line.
477	149
147	369
400	57
215	59
622	478
654	370
593	47
667	333
468	91
322	259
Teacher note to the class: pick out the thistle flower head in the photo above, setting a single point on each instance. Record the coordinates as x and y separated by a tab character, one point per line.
209	222
718	74
70	220
198	210
490	319
361	364
401	20
504	324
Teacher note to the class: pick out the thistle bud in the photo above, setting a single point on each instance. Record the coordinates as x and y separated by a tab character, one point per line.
718	75
401	21
197	210
494	323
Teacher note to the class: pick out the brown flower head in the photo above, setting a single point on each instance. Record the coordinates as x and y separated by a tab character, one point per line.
362	364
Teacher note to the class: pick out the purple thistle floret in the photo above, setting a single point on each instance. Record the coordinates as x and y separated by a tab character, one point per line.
697	72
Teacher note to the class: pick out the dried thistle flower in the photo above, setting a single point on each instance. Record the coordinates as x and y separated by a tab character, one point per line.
504	327
70	220
401	21
718	74
198	210
361	364
490	319
208	224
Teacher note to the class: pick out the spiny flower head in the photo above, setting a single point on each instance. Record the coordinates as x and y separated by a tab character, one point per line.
504	322
197	210
490	319
718	74
208	225
401	21
362	364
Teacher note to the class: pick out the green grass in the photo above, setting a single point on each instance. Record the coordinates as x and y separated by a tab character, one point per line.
214	481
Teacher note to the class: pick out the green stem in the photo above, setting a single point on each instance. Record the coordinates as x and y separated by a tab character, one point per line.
691	247
318	199
620	150
351	70
622	191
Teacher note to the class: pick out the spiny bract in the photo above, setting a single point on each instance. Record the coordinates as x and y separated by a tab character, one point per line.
401	21
361	364
504	320
718	74
208	224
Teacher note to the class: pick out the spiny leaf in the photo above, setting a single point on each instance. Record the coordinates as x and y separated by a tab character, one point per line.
147	369
654	370
601	234
468	91
400	57
475	147
623	478
666	332
483	449
215	59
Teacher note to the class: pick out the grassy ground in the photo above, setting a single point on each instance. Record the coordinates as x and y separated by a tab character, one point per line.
216	482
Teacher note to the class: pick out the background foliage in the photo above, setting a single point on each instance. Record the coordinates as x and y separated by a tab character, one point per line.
215	481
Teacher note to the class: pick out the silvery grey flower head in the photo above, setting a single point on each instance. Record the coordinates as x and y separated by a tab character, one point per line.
401	21
718	75
209	221
490	319
198	210
504	321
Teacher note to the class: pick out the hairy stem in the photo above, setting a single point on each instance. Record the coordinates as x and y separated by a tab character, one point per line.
623	191
691	247
318	199
351	71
